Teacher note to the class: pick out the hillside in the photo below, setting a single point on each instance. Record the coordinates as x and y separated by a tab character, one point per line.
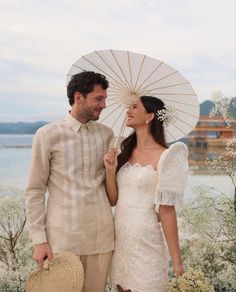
207	105
20	127
30	128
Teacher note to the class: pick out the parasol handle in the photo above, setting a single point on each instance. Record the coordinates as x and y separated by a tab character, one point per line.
122	129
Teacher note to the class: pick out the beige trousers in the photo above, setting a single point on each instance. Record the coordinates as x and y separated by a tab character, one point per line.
96	269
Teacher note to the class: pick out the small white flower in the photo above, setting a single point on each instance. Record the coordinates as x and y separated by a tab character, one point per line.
167	115
216	94
222	106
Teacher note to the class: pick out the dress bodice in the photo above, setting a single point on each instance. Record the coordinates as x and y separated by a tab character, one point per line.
139	182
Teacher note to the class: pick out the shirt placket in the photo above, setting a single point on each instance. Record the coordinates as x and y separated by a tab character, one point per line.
86	148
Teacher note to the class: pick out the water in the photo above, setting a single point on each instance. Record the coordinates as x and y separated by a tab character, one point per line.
220	183
15	152
15	141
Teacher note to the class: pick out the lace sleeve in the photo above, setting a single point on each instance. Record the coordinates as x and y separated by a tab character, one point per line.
173	173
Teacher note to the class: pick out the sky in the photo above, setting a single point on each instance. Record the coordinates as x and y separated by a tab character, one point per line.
40	40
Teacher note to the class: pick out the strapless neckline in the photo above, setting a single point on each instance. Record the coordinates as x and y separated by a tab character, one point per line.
138	165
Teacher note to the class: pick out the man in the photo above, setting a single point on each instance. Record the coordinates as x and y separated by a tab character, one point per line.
67	161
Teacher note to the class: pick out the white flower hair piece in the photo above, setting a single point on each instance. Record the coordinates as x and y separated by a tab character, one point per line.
167	115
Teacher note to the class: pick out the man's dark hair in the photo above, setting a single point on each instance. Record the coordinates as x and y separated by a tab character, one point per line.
84	83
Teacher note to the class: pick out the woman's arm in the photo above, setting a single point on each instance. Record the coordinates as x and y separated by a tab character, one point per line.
110	161
167	216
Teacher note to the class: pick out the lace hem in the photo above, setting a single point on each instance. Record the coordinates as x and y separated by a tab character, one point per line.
169	198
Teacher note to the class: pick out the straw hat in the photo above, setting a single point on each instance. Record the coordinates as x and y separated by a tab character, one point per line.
64	273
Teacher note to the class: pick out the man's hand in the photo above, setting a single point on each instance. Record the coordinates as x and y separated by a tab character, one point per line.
41	252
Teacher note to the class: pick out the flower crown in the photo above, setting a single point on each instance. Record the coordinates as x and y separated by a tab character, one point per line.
167	115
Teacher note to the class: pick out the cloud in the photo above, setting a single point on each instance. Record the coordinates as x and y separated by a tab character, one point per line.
40	40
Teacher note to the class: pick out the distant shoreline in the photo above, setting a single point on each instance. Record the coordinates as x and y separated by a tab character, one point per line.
15	146
21	128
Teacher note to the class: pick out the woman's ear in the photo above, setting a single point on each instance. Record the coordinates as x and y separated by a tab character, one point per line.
151	117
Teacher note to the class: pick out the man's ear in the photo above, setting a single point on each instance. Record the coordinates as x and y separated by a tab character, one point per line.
78	97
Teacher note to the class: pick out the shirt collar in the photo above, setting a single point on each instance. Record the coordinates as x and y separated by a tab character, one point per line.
75	124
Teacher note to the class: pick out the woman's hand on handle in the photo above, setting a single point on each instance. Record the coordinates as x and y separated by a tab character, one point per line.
110	160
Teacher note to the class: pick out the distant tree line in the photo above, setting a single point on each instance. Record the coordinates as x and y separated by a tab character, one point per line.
31	128
20	127
207	106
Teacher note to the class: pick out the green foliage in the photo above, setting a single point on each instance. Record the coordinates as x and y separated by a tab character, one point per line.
209	237
14	242
15	249
14	280
110	287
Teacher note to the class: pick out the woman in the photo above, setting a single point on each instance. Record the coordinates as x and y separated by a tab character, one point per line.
146	183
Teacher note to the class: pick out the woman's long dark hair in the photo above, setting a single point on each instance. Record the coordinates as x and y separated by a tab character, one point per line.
151	105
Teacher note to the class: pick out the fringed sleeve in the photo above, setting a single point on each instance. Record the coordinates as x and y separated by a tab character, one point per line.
172	176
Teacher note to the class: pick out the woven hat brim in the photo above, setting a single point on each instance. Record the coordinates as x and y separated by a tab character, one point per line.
64	273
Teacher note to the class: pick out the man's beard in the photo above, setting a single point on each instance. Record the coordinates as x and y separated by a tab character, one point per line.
90	115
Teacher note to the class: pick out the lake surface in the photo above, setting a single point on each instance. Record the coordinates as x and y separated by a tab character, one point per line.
15	153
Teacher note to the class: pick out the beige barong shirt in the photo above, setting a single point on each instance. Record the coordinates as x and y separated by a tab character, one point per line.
67	162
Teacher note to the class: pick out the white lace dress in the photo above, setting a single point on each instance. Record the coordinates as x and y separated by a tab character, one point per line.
140	260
